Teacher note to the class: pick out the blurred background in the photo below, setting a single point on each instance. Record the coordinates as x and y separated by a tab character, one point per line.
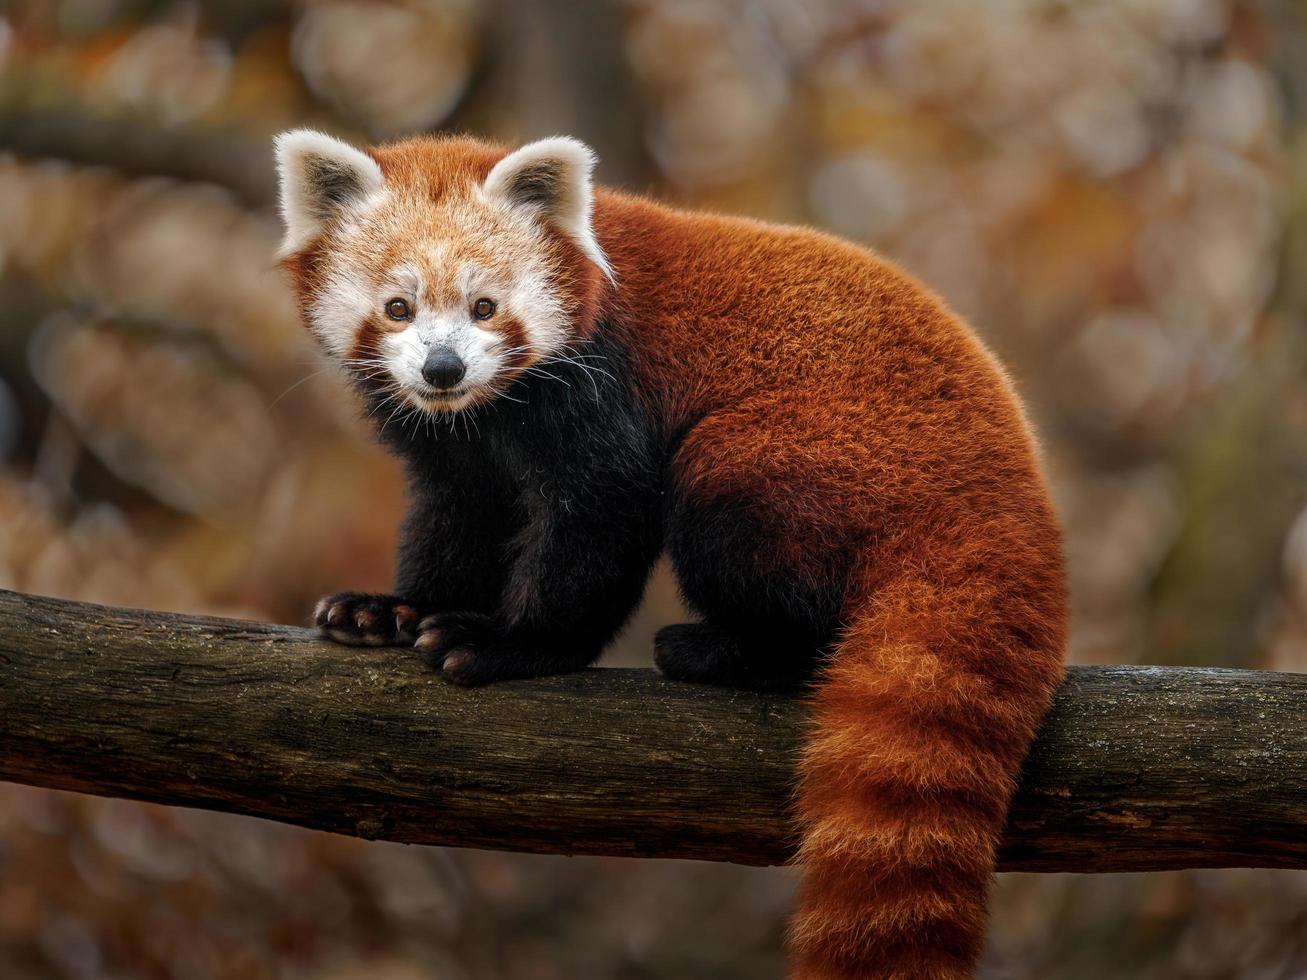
1112	191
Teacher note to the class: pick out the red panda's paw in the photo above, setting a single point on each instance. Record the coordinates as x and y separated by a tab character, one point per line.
364	619
471	649
702	653
461	646
698	653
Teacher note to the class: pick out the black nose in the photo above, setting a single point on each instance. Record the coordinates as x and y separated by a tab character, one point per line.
443	368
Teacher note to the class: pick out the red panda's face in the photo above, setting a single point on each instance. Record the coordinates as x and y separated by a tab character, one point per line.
438	271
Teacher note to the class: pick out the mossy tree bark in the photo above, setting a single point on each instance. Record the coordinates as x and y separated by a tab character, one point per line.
1136	769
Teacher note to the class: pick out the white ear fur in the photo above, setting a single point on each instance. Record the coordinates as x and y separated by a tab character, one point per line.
320	176
552	177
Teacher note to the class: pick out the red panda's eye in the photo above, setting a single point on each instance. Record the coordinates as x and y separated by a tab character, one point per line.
483	309
397	309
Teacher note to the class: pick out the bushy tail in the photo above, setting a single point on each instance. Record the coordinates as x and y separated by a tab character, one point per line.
921	724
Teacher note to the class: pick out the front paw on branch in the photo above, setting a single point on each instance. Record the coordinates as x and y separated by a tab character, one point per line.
366	619
460	646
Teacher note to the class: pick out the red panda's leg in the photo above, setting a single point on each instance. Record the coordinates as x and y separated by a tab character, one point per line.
578	569
449	557
452	539
769	591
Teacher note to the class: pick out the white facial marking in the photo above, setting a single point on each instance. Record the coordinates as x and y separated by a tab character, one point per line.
449	326
541	311
342	304
406	351
529	297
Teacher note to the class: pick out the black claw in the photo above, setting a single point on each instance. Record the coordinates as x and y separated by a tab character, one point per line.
445	631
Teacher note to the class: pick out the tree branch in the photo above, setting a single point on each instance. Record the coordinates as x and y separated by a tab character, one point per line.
1137	768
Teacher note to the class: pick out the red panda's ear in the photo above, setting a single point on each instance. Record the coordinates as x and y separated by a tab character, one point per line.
320	177
552	177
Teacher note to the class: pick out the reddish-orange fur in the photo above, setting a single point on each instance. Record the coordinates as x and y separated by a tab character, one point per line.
862	421
817	367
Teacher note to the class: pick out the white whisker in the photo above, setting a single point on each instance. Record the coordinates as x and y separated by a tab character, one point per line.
301	381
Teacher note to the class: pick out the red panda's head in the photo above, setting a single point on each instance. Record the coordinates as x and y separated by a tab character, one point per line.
439	269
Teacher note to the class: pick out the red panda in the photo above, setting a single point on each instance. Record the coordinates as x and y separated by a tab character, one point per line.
841	473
